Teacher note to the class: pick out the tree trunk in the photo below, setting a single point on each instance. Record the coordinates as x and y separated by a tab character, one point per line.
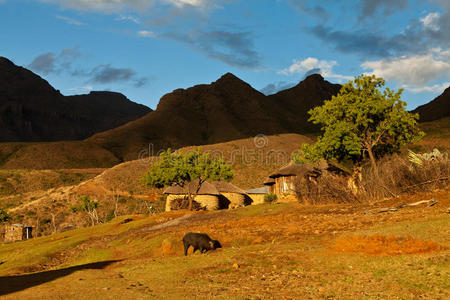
190	201
372	161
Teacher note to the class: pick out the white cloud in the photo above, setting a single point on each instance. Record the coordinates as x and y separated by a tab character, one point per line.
180	3
128	18
416	70
116	6
431	21
415	73
436	88
82	89
147	34
303	66
70	21
108	6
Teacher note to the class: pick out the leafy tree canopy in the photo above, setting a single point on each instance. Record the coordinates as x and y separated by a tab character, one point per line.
362	120
4	216
180	168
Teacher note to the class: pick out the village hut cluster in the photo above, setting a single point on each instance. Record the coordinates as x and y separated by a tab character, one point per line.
212	196
283	183
224	195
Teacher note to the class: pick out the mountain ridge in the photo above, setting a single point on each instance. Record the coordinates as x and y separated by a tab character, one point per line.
437	108
32	110
224	110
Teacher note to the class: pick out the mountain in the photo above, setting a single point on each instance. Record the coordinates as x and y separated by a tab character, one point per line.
224	110
32	110
436	109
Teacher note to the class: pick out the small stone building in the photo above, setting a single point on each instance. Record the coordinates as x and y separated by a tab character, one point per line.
212	196
286	177
231	196
207	196
18	232
257	195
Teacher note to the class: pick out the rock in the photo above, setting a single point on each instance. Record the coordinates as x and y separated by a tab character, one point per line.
167	247
257	240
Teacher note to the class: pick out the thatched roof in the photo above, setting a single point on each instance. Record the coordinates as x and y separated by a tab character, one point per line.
261	190
292	169
226	187
205	189
269	181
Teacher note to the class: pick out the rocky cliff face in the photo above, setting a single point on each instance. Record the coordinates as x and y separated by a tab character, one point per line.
32	110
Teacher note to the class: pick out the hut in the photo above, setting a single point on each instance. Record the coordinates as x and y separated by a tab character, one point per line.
207	196
212	196
230	195
285	178
257	195
270	184
18	232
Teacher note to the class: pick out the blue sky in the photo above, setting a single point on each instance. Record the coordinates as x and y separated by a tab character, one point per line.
147	48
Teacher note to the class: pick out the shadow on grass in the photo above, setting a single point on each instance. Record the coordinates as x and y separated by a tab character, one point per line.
15	283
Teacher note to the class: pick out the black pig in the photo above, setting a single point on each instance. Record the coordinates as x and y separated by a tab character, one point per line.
200	241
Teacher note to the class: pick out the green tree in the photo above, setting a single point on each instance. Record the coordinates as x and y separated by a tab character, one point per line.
363	120
88	206
184	167
4	216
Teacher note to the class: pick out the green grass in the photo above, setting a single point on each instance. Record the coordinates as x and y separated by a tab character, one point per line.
262	209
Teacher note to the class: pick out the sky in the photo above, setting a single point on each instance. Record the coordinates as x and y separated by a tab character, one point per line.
147	48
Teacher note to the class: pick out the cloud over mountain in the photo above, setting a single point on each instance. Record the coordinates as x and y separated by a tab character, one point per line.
232	48
50	62
416	71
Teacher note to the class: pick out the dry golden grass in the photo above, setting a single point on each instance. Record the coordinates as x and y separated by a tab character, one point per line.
55	155
384	245
269	251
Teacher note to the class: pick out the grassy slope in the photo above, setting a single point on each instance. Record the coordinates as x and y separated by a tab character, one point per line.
82	154
55	155
281	251
33	195
437	134
18	182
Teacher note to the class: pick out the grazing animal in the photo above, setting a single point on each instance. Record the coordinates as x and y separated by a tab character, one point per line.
199	241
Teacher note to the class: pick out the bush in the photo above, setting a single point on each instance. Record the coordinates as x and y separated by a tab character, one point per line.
327	188
269	198
182	203
4	216
110	216
397	175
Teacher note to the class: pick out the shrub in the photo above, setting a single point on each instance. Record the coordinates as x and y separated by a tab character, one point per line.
4	216
269	198
397	175
110	216
327	188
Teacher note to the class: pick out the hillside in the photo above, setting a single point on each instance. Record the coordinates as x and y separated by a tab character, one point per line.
32	110
225	110
55	155
282	251
436	109
38	194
